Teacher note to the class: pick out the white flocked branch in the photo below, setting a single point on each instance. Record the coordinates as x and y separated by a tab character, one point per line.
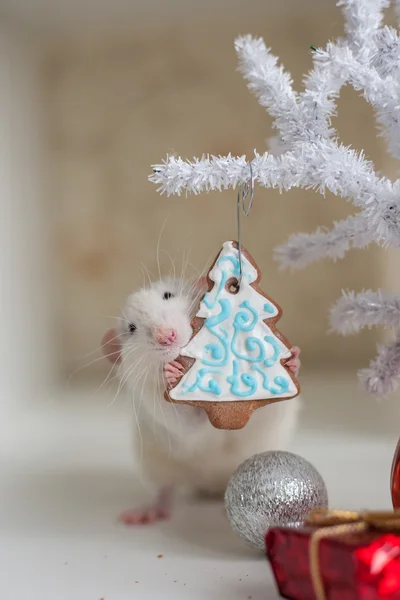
308	154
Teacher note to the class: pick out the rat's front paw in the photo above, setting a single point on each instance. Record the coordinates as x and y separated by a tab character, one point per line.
172	372
294	362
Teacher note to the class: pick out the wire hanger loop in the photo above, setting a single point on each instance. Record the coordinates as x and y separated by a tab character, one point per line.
245	190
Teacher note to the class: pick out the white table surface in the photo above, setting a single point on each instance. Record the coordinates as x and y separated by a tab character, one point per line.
67	470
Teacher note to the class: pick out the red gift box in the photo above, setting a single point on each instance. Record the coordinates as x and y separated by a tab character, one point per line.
342	564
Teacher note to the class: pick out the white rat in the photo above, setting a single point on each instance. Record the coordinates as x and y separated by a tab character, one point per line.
179	446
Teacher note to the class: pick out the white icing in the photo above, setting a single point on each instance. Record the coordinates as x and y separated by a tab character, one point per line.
220	302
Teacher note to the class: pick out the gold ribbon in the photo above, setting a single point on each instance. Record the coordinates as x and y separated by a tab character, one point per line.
334	523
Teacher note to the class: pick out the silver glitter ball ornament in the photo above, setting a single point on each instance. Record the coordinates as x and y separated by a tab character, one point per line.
271	489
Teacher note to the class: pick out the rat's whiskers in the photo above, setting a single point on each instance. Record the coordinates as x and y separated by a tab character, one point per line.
158	245
172	263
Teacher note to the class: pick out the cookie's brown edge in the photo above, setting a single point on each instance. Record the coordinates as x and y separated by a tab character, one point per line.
187	362
256	284
234	414
271	322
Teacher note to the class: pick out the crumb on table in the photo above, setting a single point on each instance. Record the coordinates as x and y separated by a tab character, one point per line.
160	555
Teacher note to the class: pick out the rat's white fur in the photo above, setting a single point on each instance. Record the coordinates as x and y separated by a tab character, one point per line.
179	446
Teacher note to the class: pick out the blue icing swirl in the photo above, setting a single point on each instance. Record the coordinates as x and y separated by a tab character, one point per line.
212	386
241	318
235	272
243	322
211	303
218	352
226	309
235	263
269	308
282	382
226	349
268	362
252	344
247	380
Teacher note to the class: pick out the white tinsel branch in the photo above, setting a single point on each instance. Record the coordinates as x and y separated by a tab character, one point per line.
362	19
307	154
274	91
315	159
353	312
322	165
386	59
302	249
382	376
382	93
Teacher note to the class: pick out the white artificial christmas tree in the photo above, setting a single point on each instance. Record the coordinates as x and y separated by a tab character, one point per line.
237	355
308	154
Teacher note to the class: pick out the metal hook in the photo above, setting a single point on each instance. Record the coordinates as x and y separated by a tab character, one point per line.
243	191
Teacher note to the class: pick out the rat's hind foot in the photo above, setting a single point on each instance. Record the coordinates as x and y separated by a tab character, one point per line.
144	515
160	511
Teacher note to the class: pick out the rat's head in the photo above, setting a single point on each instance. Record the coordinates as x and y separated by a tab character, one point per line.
157	321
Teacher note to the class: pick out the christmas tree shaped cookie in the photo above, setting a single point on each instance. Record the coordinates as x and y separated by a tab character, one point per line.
235	360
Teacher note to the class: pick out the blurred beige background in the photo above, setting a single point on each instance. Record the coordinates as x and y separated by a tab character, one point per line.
92	93
125	83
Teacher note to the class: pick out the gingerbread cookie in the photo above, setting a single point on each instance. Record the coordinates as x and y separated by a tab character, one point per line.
235	360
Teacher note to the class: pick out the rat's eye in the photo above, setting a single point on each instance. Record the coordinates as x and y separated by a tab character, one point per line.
168	295
132	327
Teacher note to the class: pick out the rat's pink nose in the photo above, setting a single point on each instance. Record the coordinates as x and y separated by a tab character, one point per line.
164	336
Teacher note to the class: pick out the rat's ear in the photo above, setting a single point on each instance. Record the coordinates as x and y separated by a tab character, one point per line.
111	346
